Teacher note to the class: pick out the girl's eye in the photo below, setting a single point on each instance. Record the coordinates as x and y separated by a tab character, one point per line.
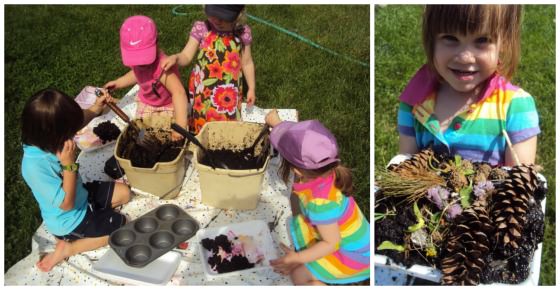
483	40
449	38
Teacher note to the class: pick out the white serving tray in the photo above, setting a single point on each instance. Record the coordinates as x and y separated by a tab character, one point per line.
257	229
387	272
158	272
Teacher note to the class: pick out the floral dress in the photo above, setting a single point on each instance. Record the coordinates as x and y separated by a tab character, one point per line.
215	83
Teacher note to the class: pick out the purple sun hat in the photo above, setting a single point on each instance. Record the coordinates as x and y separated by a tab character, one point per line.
306	144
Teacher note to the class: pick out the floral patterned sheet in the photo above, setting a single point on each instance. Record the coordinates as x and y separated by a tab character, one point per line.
273	208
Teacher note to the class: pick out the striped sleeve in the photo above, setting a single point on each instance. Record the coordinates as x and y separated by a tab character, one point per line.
522	120
405	120
322	211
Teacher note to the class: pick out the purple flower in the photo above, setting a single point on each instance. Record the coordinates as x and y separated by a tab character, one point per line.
433	196
488	186
454	210
482	188
479	192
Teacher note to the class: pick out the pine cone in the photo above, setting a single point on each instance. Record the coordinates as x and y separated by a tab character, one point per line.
418	162
469	242
510	204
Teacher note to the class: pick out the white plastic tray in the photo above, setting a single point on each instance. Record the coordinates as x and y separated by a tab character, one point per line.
158	272
387	272
257	229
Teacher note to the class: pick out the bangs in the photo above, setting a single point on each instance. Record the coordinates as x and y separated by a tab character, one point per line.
466	19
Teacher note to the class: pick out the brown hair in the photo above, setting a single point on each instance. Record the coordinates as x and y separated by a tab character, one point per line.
343	175
49	118
501	22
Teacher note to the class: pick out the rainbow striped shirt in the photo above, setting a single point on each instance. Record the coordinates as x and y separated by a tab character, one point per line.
322	203
476	133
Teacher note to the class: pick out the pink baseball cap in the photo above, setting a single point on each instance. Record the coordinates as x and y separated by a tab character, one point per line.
306	144
138	41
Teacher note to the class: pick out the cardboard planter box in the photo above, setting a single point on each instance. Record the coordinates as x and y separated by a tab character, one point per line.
226	188
164	179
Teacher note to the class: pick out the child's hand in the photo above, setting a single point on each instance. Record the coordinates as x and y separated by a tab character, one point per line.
250	98
169	62
112	85
272	118
101	101
68	154
287	263
176	136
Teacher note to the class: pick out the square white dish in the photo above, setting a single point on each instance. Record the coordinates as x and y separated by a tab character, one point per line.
158	272
256	229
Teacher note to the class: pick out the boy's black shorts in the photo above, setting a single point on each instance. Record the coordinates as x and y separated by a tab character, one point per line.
100	219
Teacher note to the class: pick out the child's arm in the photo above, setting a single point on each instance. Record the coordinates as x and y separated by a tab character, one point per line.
69	178
526	151
125	81
248	68
182	58
173	84
407	144
330	235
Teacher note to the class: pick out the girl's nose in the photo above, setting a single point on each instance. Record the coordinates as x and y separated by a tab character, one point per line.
465	55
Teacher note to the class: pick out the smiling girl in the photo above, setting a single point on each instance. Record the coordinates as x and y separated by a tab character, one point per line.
461	101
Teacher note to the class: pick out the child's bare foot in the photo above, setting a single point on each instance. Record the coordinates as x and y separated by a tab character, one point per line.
51	259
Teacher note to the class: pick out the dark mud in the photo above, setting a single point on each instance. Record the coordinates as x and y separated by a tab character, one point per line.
107	131
236	159
164	150
392	228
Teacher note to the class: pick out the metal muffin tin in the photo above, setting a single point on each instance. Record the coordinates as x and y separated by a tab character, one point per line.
148	237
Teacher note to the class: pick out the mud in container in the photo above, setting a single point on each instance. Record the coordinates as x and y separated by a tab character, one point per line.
229	188
163	179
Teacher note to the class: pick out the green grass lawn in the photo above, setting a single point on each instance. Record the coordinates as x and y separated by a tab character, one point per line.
70	47
399	53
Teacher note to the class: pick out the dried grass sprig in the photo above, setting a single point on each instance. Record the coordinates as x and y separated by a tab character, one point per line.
413	186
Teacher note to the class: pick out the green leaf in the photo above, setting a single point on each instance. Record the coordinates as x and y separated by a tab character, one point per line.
434	221
233	45
228	77
203	63
465	194
458	160
219	45
387	245
200	54
209	82
419	218
468	172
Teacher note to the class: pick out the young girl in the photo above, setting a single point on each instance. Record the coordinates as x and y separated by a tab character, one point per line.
161	92
461	101
329	232
79	216
223	60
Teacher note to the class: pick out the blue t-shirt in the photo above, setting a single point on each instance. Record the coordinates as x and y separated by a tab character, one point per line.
43	174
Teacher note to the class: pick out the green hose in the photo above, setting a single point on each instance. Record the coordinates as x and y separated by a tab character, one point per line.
290	33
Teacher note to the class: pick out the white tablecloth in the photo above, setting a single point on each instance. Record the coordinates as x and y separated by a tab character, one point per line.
77	270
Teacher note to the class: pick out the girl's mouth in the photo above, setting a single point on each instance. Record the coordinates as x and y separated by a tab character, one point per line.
464	75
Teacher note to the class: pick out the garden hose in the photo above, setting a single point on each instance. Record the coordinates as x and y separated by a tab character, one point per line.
175	12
